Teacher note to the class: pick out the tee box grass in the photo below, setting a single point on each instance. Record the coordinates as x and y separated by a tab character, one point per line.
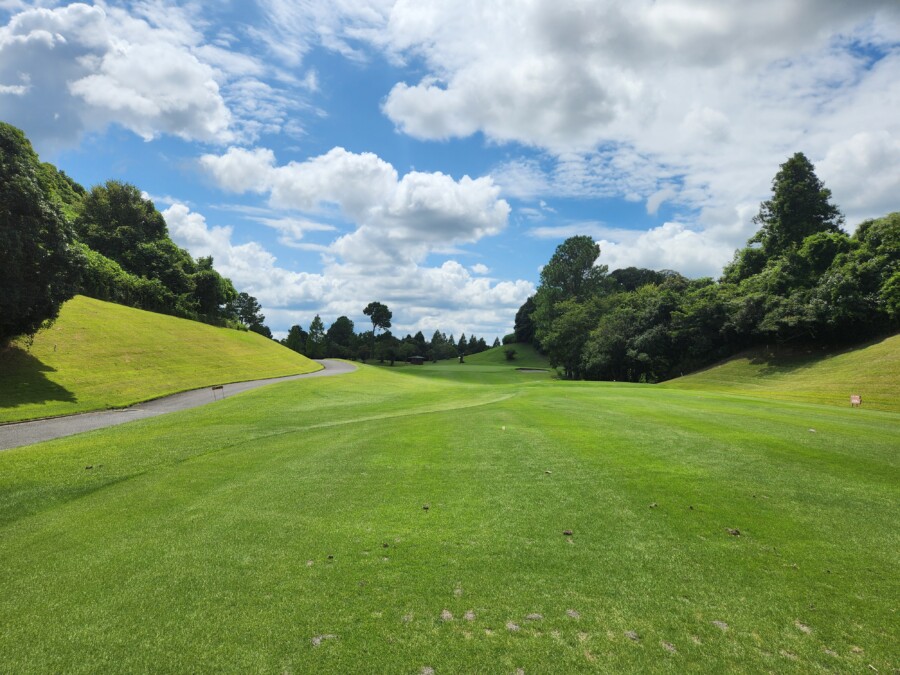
570	527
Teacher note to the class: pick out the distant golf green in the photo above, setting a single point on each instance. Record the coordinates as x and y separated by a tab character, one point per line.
401	521
871	371
101	355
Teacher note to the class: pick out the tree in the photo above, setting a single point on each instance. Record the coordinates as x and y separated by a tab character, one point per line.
380	316
115	220
462	347
296	339
38	270
800	206
524	325
571	271
315	340
340	338
211	290
496	342
246	309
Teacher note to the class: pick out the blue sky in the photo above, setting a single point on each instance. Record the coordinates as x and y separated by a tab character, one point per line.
432	154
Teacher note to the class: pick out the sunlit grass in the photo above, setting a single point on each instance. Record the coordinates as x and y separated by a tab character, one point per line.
99	355
239	536
872	372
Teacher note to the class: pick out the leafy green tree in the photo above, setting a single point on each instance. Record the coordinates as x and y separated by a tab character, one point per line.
564	301
380	316
315	340
212	291
296	339
38	267
462	347
496	342
340	338
115	220
246	309
800	206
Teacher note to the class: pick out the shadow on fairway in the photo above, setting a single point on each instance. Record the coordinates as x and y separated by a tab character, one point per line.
23	380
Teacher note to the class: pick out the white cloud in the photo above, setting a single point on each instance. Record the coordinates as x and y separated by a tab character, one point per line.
397	219
147	66
395	223
674	246
693	103
89	66
446	297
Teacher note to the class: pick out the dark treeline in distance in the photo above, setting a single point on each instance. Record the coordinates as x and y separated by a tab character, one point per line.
800	281
340	341
59	239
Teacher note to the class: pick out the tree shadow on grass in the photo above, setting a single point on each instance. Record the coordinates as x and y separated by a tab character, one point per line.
23	380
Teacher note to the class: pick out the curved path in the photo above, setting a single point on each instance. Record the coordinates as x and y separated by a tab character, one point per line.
26	433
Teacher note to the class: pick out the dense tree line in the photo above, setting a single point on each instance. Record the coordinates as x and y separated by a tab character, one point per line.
800	280
340	340
109	242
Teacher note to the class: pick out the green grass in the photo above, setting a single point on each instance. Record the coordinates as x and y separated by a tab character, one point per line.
226	538
526	357
100	355
488	367
872	371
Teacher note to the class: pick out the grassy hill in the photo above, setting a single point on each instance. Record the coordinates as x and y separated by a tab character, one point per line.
100	355
489	367
283	530
526	357
872	371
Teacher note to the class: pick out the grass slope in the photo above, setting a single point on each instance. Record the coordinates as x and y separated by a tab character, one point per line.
526	357
100	355
283	530
873	371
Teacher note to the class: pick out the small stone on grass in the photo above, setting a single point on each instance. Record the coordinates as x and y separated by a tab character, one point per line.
568	533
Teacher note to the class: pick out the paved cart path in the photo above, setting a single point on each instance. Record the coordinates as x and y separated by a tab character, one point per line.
25	433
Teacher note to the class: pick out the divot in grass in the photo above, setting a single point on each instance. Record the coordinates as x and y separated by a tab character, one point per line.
446	615
721	625
534	617
512	627
669	647
469	616
573	614
631	635
802	627
319	639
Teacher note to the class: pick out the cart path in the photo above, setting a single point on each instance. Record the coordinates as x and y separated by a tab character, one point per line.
25	433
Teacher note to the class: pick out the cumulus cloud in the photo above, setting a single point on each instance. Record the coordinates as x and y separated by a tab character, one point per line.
672	245
396	219
87	66
148	67
692	103
446	297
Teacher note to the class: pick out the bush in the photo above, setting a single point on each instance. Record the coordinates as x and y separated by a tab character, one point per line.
510	354
510	339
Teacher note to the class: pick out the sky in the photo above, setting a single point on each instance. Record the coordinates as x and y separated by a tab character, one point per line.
432	154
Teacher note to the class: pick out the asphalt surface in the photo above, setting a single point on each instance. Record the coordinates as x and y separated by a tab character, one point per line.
26	433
